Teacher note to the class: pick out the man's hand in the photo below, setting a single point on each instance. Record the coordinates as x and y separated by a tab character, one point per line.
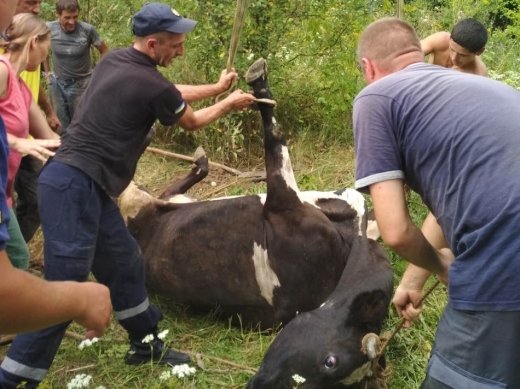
227	79
97	312
407	299
239	100
54	122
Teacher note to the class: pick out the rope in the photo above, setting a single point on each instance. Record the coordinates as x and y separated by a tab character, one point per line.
401	323
238	23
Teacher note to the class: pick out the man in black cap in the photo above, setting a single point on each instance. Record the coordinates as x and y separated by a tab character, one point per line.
83	228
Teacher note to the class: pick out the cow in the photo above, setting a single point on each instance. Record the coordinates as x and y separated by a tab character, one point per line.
263	257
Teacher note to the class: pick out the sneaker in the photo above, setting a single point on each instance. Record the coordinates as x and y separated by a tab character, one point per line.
155	352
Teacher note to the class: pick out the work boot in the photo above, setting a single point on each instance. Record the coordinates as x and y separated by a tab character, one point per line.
155	352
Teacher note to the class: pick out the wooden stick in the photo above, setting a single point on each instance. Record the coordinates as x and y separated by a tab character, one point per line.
247	369
190	159
81	368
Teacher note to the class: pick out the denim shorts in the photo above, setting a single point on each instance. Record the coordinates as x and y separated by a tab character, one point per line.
475	350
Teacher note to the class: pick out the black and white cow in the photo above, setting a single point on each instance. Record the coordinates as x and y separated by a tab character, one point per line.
268	257
264	257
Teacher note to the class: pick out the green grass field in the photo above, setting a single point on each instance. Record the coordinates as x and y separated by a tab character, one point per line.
226	356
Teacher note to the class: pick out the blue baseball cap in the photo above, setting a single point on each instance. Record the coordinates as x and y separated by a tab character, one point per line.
158	17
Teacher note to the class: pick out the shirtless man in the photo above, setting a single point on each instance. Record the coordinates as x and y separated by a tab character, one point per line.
459	50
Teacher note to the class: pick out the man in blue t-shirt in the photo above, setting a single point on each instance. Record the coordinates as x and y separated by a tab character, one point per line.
454	139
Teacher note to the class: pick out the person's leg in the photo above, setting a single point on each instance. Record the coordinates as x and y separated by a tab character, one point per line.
69	210
16	248
25	186
74	94
118	263
477	350
59	102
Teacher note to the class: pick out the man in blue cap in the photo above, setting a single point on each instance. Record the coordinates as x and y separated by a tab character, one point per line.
83	228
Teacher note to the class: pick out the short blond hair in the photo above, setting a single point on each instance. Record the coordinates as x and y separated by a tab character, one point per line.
386	39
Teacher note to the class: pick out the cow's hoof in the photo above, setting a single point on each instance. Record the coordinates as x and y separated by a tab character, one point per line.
199	153
257	70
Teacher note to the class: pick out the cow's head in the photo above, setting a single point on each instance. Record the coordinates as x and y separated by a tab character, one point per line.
324	346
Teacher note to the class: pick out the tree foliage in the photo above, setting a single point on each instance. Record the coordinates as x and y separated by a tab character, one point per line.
310	47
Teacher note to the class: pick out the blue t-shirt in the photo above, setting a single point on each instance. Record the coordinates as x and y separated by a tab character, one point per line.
4	210
454	138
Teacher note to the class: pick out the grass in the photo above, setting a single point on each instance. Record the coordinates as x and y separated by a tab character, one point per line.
227	355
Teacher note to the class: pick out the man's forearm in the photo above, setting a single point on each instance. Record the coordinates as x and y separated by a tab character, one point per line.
204	116
397	229
44	102
34	303
191	93
415	277
416	249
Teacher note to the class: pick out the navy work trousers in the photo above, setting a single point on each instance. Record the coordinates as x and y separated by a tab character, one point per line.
83	231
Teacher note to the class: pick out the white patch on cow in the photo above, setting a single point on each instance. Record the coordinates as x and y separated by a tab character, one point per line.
181	199
358	374
132	200
287	170
354	198
266	278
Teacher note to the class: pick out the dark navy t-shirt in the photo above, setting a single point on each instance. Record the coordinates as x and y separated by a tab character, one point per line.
4	210
113	122
454	138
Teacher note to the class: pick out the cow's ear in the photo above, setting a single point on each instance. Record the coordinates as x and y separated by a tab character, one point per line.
368	309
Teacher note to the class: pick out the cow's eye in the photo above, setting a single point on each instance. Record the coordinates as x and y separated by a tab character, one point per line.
330	362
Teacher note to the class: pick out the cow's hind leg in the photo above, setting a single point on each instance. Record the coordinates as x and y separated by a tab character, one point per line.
198	172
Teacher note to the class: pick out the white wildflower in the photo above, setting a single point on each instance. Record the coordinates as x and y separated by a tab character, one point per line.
181	371
87	343
298	379
148	338
79	381
100	387
163	334
165	375
251	56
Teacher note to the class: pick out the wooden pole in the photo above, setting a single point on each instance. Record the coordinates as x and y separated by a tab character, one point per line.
190	159
400	9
